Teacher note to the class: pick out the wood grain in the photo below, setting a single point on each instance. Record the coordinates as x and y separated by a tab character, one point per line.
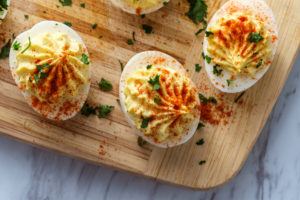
110	141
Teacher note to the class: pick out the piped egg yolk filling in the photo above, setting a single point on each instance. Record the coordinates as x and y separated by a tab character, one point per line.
239	44
161	102
51	69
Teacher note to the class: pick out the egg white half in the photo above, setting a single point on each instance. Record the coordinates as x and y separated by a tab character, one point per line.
50	27
257	8
139	61
131	9
5	12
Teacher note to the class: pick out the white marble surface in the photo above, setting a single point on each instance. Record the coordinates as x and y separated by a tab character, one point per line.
271	172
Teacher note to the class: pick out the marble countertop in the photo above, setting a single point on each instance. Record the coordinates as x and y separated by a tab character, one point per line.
271	172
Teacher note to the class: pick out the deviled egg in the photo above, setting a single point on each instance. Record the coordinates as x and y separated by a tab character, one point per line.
4	4
240	43
50	65
141	6
159	99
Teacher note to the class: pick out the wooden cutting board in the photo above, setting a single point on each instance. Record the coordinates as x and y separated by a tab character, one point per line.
110	141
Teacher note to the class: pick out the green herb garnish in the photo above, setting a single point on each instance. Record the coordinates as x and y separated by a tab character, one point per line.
143	16
165	3
85	59
147	28
145	122
149	66
129	42
208	33
28	46
141	142
69	24
202	162
155	82
94	26
202	29
200	142
105	85
213	100
259	63
157	100
255	37
217	71
104	110
3	5
87	110
16	45
40	67
5	50
203	98
121	65
82	5
44	11
198	68
66	2
26	16
36	78
197	11
228	82
206	57
200	125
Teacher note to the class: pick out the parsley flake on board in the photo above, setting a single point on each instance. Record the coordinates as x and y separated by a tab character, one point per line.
85	59
206	57
26	16
200	125
65	2
217	71
213	100
5	50
143	16
69	24
87	110
155	82
145	122
198	11
202	162
28	46
104	110
94	26
141	142
255	37
148	29
16	45
200	142
259	63
165	3
82	5
121	65
105	85
203	98
198	68
129	42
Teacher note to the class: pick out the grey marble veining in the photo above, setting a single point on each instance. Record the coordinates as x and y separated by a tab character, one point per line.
271	172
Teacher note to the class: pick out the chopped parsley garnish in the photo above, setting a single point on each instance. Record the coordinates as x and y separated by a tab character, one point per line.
3	5
121	65
85	59
145	122
36	78
206	57
201	29
44	11
238	98
141	142
100	36
200	125
28	46
255	37
43	75
149	66
143	16
208	33
203	98
87	110
40	67
104	110
94	26
200	142
165	3
69	24
5	50
217	71
66	2
155	82
82	5
198	68
197	11
213	100
26	16
228	82
118	100
105	85
259	63
129	42
202	162
147	28
16	45
157	100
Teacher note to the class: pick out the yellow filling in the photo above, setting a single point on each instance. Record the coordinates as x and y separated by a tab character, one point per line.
143	3
51	68
170	109
235	45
